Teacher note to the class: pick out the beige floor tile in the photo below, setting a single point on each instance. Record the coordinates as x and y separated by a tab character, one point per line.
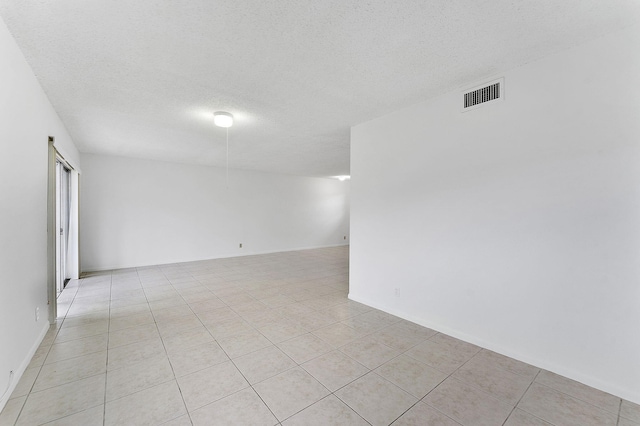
132	335
223	329
299	300
61	401
167	302
290	392
264	293
237	299
217	315
379	318
52	333
241	408
559	408
178	325
456	345
293	310
492	358
377	400
410	329
263	363
335	369
70	370
626	422
136	377
277	301
169	314
83	307
126	311
467	405
244	343
329	411
337	334
39	356
76	348
155	405
187	339
438	356
578	390
208	301
71	333
10	412
179	421
133	353
502	384
211	384
117	293
369	352
262	317
396	340
251	308
410	375
122	322
91	417
304	348
195	358
630	411
26	382
314	320
522	418
343	311
281	330
362	325
129	301
424	415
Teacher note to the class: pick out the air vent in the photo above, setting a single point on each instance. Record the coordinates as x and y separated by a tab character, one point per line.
479	96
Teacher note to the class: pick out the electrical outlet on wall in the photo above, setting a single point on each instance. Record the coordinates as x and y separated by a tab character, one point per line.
37	313
240	245
397	292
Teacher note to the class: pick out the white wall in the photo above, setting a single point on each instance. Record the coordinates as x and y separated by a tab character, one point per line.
515	226
140	212
27	119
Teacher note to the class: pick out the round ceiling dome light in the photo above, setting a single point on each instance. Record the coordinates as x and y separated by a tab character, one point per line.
222	119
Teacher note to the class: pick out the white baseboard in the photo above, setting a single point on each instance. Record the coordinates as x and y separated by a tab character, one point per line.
225	256
17	374
629	395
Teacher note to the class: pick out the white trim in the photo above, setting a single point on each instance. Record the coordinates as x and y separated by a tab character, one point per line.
253	253
17	374
549	366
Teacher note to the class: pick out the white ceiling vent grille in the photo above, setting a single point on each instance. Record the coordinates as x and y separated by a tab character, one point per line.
482	95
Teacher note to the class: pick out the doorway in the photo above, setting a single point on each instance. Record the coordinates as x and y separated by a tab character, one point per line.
63	216
62	228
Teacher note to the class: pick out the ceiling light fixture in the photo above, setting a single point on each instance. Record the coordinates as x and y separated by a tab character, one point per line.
343	178
223	119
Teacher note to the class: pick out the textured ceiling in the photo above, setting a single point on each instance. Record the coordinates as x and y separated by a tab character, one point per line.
142	78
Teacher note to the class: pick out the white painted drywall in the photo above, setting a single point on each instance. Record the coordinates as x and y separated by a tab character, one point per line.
27	119
141	212
515	226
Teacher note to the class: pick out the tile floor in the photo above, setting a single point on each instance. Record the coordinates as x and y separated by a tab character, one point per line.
273	339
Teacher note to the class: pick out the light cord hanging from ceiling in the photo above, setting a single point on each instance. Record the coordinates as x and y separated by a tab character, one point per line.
224	119
227	171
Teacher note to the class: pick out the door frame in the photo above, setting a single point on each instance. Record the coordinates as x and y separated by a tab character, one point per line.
53	230
51	233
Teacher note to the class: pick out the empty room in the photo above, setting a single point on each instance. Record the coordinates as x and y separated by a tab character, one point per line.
320	213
